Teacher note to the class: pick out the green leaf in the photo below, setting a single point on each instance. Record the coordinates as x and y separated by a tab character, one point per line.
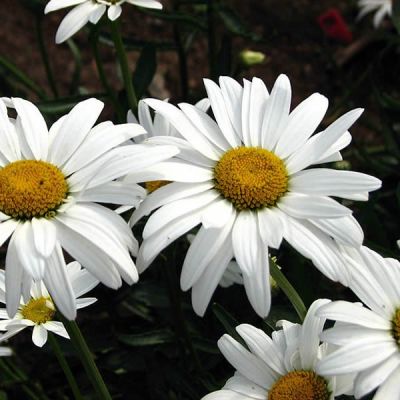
235	25
152	338
7	67
228	321
145	69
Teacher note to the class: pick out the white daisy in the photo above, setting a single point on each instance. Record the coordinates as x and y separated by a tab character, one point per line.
90	11
369	338
38	309
244	178
49	183
281	367
154	128
382	8
5	351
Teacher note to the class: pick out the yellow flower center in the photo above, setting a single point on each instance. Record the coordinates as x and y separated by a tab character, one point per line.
300	385
396	326
39	310
151	186
251	177
30	188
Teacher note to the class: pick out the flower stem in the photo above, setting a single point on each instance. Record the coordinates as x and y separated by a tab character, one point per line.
123	62
86	357
288	289
93	38
65	367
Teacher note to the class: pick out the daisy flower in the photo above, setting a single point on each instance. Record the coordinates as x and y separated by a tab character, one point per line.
90	11
49	183
368	336
382	9
38	309
154	128
281	367
243	177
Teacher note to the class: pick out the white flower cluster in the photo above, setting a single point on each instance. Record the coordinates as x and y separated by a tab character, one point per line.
246	180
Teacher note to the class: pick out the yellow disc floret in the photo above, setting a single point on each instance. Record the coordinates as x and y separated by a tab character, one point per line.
396	326
39	310
251	177
31	188
300	385
151	186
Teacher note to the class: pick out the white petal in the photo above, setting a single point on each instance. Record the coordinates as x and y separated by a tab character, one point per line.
245	362
257	283
225	395
309	339
244	386
9	145
74	20
97	13
263	347
220	112
307	206
54	5
167	194
375	376
74	129
57	328
351	313
258	97
302	123
271	227
390	388
34	126
169	212
85	302
44	235
205	246
39	335
185	127
246	241
6	229
59	285
330	182
205	286
114	11
276	112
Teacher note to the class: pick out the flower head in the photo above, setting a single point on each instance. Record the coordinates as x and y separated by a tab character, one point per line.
37	308
90	11
281	367
368	336
49	183
382	8
245	178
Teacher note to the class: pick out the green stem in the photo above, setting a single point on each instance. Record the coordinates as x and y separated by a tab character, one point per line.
288	289
212	48
86	357
94	36
123	62
45	56
65	367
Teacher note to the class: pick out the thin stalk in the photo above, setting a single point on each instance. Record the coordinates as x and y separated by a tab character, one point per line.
183	67
288	289
93	37
212	47
123	62
86	357
180	324
65	367
45	56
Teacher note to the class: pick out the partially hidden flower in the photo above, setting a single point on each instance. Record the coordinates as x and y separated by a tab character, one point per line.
85	11
281	367
50	181
246	178
369	335
37	309
382	8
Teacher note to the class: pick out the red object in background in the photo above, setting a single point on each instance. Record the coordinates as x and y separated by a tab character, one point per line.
334	26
